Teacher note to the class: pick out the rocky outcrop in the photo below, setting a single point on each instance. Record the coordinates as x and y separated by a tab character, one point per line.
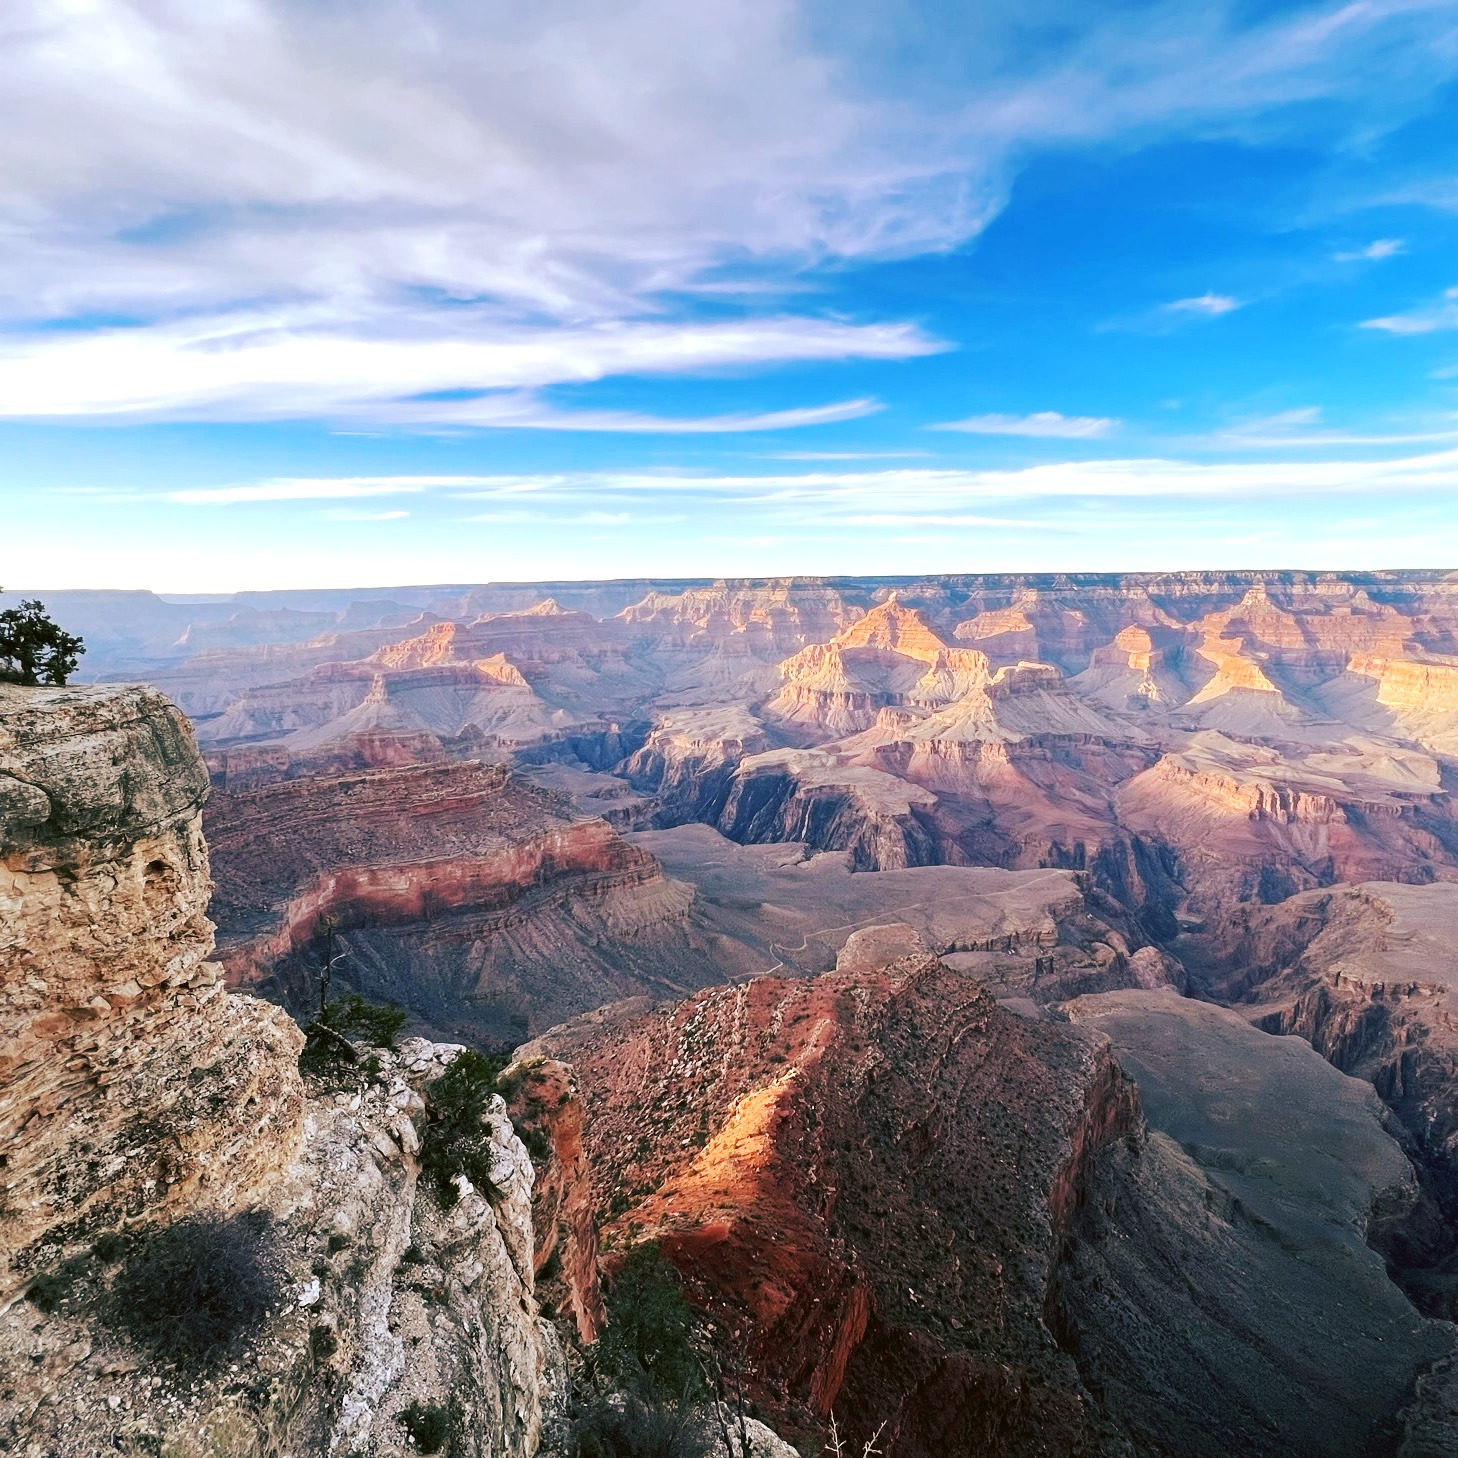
545	1102
104	966
689	759
770	619
808	796
1365	974
1252	823
425	1305
1220	1290
889	657
138	1092
388	1301
901	1204
395	848
866	1176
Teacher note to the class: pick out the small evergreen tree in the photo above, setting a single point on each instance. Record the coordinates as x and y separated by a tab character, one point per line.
33	649
648	1344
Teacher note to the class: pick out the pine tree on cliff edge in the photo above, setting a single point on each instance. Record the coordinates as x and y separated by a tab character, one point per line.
33	649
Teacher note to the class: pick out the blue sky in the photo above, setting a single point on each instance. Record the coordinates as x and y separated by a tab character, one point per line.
455	290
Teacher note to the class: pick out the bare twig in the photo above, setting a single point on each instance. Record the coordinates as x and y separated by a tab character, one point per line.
836	1447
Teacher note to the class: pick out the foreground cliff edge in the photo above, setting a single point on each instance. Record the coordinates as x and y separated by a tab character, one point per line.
139	1099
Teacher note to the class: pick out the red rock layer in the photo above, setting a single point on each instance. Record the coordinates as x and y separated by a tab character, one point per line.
543	1098
865	1180
392	848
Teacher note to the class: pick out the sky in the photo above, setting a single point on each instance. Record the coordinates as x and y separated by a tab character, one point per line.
313	293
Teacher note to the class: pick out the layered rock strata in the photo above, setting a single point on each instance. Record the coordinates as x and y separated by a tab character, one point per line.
131	1084
139	1092
460	891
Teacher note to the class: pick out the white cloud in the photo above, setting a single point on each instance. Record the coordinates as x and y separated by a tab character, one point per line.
258	367
1043	423
1299	418
845	455
572	160
1211	306
509	174
1303	429
291	490
1375	251
810	497
1442	315
524	412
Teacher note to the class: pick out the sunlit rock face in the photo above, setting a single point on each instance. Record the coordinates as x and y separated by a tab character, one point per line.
972	1230
866	1176
130	1082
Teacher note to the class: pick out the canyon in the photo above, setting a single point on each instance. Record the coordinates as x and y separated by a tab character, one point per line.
1017	1007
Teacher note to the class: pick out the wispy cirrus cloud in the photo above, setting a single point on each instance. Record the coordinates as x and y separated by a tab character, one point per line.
259	367
522	179
1046	423
1440	315
1305	429
845	455
1374	252
1205	306
822	497
528	413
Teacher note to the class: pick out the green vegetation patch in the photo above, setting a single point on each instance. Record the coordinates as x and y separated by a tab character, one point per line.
647	1346
456	1141
329	1040
626	1425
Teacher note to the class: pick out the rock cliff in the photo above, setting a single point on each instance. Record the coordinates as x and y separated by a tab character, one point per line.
484	904
104	961
864	1179
1365	973
904	1205
140	1098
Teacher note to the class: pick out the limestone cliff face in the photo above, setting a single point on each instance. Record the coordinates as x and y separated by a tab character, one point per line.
135	1091
130	1083
424	1305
